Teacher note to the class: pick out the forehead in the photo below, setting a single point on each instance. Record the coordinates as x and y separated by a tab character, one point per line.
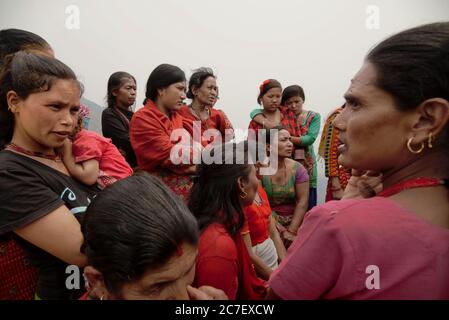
181	84
66	91
283	133
274	91
210	81
128	82
364	81
175	268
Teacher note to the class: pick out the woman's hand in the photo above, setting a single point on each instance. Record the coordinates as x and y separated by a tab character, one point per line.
206	293
363	184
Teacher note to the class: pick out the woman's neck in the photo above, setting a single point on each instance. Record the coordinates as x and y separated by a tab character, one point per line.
197	106
31	145
122	107
432	165
162	108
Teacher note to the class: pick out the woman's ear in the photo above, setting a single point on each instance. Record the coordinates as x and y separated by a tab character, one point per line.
114	92
95	280
432	117
241	184
194	90
14	101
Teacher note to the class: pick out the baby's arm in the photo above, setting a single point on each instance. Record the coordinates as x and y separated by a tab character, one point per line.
87	171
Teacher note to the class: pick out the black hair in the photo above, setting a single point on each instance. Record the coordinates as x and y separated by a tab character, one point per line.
215	195
413	66
115	81
161	77
197	79
14	40
267	85
133	226
292	91
27	73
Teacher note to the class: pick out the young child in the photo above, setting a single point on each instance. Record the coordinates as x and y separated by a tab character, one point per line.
91	158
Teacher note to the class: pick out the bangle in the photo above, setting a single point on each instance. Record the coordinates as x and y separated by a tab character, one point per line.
263	124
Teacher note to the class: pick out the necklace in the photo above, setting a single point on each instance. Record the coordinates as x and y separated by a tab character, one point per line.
198	114
53	157
410	184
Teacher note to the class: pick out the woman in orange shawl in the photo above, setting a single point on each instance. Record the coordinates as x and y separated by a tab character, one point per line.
152	126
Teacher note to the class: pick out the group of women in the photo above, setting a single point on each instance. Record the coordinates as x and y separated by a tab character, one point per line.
227	233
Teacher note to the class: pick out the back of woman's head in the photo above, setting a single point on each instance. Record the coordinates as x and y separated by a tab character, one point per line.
14	40
215	196
197	79
292	91
116	80
133	226
27	73
266	86
163	76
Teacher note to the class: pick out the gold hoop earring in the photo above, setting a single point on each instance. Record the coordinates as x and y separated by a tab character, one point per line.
410	148
244	195
430	140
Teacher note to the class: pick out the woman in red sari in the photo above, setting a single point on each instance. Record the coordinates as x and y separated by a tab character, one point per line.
152	126
203	91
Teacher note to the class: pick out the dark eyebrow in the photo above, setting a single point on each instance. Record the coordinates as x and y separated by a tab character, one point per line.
351	98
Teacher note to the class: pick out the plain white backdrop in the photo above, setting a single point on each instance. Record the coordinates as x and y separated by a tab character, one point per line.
317	44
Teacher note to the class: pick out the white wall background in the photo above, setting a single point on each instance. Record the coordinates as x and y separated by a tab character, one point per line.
318	44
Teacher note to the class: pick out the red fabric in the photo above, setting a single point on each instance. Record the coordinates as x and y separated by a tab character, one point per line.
288	120
410	184
90	145
150	131
223	262
217	120
258	219
18	279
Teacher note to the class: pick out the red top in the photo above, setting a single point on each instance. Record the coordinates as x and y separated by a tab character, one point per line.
365	249
217	120
288	120
258	219
150	132
90	145
223	262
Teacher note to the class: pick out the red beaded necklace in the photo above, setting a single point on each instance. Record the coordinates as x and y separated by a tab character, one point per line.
54	157
410	184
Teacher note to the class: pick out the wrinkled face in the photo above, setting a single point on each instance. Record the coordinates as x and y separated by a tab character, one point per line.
250	187
295	104
207	93
45	119
283	144
271	100
373	133
126	94
173	96
167	282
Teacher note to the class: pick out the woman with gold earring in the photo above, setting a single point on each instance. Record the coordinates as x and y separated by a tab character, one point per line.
395	122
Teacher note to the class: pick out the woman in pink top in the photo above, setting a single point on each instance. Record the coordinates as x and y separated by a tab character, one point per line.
394	245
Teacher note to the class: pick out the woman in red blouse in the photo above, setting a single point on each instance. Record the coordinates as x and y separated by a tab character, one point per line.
217	200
